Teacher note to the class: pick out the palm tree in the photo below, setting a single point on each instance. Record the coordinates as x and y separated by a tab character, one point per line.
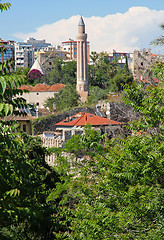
4	6
159	41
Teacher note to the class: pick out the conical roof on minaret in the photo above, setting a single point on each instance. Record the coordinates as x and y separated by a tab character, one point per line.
37	66
81	22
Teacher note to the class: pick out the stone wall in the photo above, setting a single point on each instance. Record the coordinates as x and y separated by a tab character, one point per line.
142	62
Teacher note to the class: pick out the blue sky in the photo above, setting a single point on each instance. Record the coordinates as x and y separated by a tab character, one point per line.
30	18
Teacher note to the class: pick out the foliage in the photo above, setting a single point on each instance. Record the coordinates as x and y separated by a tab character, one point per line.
120	79
69	70
115	188
25	178
4	6
95	94
22	71
158	70
34	75
149	102
66	98
159	41
9	84
63	72
26	181
100	74
106	74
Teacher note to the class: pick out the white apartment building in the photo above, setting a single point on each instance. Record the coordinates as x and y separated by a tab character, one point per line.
24	55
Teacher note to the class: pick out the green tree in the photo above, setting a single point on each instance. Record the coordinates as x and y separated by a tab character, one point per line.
108	75
95	94
66	98
115	190
63	72
158	68
55	75
69	70
25	178
120	79
4	6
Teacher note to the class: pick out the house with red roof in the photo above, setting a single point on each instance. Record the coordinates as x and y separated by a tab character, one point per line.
39	93
152	81
74	124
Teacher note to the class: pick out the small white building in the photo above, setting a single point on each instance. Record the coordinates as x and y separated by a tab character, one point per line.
74	124
38	94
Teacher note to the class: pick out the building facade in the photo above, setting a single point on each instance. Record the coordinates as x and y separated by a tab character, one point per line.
24	55
40	93
47	56
25	52
142	62
38	44
122	58
82	63
70	47
9	50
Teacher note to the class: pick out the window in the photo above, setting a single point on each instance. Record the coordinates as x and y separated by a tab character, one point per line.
37	93
24	127
37	104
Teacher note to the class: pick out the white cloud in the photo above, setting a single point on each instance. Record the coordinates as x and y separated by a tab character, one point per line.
135	28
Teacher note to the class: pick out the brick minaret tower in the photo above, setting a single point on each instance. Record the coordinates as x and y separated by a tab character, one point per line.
82	67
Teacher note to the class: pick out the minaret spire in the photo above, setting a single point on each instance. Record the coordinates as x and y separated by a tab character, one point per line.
82	64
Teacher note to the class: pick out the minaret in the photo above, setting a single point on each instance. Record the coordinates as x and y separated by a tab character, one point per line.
82	64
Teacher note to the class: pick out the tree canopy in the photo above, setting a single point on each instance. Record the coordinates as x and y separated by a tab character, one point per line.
108	75
26	180
66	98
115	187
63	72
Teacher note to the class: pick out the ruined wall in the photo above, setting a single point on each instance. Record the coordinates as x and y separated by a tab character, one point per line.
142	62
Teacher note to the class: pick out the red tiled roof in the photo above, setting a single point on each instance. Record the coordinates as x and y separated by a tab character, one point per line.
82	118
156	80
40	88
26	87
19	118
154	55
56	87
146	81
2	41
